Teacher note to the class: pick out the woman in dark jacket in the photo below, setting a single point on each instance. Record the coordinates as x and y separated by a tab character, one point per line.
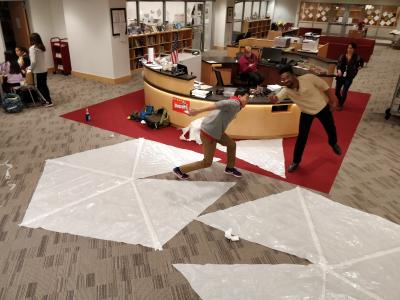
347	68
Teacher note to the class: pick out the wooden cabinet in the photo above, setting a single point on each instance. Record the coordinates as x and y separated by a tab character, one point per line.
257	28
161	42
60	53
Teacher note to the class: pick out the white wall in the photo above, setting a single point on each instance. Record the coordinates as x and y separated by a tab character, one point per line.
120	50
222	30
46	17
270	11
219	22
40	21
2	45
57	16
285	10
93	49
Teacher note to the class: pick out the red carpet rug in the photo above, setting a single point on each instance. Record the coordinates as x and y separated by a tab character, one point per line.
319	166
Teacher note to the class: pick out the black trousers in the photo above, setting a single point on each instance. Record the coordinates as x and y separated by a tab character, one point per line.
326	118
254	78
342	87
41	84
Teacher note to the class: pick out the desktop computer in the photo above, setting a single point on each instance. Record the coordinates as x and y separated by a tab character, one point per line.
309	45
271	55
282	42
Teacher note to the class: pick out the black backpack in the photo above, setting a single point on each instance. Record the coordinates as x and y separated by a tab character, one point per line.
12	103
159	119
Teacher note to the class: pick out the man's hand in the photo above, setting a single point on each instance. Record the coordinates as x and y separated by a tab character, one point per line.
333	106
192	111
272	99
339	73
332	102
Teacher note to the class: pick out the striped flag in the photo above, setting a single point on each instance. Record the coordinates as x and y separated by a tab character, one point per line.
174	53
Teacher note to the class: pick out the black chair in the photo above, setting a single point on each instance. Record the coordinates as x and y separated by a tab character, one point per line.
220	81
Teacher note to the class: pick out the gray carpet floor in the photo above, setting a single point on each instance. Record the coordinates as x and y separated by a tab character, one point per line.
40	264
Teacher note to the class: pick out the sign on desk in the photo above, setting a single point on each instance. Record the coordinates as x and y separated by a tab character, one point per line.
180	105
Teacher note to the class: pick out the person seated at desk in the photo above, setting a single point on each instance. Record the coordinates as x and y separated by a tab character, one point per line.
248	68
23	59
11	72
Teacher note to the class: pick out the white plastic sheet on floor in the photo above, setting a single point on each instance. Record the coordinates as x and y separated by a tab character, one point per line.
97	194
266	282
266	154
360	249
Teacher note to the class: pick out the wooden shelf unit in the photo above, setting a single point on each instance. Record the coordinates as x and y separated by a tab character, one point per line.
160	41
257	28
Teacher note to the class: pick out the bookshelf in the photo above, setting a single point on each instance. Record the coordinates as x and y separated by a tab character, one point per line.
160	41
257	28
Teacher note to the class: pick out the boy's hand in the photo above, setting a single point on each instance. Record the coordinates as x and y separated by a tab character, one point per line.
272	99
191	112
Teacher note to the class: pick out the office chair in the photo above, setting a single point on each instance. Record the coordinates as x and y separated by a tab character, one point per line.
220	81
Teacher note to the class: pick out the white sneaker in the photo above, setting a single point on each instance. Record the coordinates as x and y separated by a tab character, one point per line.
49	105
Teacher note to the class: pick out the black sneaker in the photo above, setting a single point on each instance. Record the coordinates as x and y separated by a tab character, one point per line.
178	173
293	167
233	172
337	149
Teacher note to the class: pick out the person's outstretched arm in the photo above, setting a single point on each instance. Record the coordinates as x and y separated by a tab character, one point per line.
195	111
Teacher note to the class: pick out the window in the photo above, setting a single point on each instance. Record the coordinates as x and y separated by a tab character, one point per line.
131	13
238	11
263	9
151	12
194	11
238	14
256	10
247	10
175	12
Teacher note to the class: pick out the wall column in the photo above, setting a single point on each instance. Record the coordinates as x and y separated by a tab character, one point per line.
95	52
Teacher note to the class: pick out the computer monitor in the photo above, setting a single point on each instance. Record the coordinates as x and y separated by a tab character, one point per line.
241	36
182	69
273	55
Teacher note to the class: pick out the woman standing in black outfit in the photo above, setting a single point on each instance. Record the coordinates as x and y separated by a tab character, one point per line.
38	66
347	68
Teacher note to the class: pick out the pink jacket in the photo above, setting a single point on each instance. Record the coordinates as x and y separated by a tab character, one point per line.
245	61
11	78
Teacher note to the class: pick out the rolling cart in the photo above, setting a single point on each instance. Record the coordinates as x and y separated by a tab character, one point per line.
394	108
61	58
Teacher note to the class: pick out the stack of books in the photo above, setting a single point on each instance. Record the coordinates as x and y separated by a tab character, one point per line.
201	93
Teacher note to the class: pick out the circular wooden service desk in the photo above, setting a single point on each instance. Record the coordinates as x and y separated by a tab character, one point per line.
258	120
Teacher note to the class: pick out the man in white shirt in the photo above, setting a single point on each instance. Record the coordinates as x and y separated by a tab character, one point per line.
311	94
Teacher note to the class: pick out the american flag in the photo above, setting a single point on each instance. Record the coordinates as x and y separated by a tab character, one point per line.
174	53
